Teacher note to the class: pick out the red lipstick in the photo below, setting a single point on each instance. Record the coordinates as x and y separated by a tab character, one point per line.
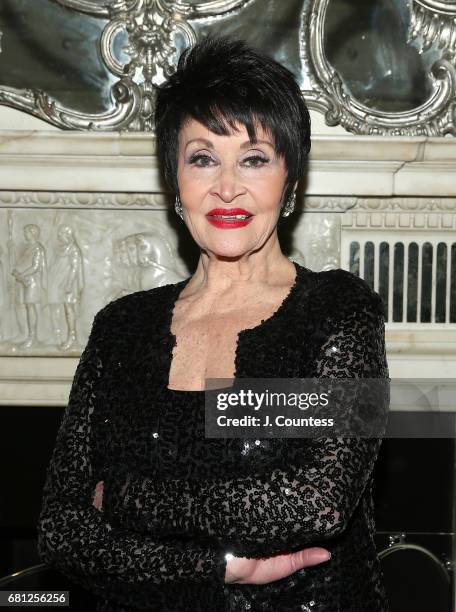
229	218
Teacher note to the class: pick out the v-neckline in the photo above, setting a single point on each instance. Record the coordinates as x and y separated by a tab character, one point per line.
177	289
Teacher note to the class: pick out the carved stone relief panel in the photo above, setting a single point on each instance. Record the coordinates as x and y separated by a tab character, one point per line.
63	256
59	267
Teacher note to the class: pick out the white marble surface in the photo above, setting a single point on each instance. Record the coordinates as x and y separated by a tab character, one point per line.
106	187
339	164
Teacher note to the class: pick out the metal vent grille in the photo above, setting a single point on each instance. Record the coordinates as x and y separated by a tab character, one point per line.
416	278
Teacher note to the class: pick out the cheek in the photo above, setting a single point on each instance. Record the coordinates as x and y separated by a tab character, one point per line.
268	190
193	191
191	186
188	177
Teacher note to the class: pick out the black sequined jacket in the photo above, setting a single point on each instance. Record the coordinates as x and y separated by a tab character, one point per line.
176	502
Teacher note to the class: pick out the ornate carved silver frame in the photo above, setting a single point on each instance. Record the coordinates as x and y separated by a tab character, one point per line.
152	26
434	21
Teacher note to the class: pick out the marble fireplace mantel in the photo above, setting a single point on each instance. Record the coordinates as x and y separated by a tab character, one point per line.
354	184
125	162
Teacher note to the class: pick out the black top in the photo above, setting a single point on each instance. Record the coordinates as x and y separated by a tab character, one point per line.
176	502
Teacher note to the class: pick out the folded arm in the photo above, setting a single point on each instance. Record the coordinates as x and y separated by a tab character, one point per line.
309	500
78	539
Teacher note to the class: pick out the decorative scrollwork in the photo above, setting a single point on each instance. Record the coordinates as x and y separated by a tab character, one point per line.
155	29
445	7
127	101
151	27
433	22
91	7
329	94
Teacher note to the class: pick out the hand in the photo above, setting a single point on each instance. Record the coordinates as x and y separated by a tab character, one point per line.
98	497
256	571
241	570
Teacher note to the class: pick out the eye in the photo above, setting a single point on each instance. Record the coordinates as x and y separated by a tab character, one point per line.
255	161
201	160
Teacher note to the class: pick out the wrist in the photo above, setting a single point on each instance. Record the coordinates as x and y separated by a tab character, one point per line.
230	576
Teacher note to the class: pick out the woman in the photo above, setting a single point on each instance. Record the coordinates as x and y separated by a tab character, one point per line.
138	505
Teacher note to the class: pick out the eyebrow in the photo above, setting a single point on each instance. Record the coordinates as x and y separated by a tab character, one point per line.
244	145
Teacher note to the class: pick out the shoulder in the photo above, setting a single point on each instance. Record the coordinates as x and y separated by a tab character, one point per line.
133	309
340	292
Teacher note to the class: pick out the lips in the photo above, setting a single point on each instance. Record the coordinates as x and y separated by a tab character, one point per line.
229	218
229	212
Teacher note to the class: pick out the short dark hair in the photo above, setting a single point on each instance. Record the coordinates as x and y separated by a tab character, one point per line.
221	81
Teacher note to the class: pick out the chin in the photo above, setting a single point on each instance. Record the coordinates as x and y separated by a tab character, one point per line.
227	252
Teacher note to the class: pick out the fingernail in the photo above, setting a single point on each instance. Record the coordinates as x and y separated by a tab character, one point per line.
324	556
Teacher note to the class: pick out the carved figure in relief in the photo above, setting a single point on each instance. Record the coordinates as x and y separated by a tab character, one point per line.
124	277
157	260
30	271
67	272
141	261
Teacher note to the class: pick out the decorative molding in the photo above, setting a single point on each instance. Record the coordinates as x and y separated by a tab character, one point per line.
329	94
328	204
401	221
83	200
433	23
432	205
412	205
159	201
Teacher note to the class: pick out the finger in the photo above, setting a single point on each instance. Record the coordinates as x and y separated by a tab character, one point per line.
311	556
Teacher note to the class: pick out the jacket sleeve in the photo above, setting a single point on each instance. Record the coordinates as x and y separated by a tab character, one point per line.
78	540
309	500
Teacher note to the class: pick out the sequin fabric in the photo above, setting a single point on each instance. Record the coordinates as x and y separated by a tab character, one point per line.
175	503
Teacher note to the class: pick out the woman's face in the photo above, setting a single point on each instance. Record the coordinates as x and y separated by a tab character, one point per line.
228	172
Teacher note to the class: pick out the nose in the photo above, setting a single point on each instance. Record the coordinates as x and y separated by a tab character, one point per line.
228	185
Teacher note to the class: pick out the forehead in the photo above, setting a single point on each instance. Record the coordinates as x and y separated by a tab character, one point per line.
193	130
